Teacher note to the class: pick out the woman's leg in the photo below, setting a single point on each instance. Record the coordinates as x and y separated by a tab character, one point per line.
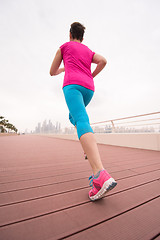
89	146
100	181
76	99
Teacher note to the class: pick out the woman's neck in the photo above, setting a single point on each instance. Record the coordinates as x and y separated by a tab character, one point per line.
75	40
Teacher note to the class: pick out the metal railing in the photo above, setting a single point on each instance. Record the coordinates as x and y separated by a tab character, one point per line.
149	122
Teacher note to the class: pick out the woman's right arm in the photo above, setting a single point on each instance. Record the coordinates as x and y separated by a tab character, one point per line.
100	61
55	70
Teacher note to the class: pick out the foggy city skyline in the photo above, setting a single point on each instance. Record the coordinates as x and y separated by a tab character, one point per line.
126	33
143	125
47	127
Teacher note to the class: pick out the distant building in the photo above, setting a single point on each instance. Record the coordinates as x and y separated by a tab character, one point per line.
48	127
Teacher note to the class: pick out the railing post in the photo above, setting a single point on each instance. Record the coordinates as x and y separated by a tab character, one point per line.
113	127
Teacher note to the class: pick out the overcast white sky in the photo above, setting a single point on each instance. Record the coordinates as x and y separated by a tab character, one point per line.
125	32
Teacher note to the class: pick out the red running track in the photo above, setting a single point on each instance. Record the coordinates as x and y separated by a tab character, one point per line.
44	192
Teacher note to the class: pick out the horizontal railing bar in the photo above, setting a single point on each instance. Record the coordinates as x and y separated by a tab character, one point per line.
137	121
140	121
141	125
118	119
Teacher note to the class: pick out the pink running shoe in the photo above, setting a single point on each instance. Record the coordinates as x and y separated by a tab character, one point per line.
100	185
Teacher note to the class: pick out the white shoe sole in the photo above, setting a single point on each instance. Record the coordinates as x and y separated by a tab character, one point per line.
107	186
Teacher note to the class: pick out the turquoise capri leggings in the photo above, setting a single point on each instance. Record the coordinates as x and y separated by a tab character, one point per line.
77	98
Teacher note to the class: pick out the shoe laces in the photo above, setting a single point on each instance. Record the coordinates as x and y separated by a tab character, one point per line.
91	181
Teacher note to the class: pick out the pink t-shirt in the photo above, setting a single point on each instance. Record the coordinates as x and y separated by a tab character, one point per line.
77	60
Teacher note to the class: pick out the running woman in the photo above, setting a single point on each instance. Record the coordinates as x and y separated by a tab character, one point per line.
78	89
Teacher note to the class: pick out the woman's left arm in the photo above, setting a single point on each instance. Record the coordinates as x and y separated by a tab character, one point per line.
55	70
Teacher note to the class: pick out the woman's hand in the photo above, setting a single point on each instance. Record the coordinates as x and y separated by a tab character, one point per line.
100	61
60	70
55	70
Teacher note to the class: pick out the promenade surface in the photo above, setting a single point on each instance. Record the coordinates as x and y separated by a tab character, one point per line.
44	192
